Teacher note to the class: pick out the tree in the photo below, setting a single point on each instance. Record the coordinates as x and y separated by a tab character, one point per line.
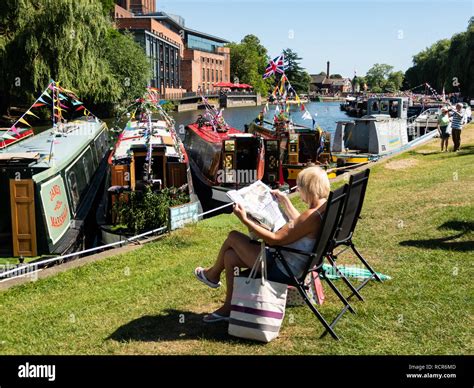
298	77
248	61
377	77
335	76
107	6
128	63
395	81
447	64
69	41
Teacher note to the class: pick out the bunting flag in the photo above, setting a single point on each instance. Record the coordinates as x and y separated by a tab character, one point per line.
29	112
15	130
43	101
303	108
80	108
63	106
76	102
307	116
288	108
22	120
38	104
277	109
62	96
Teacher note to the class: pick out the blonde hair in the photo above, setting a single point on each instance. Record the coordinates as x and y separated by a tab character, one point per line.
314	182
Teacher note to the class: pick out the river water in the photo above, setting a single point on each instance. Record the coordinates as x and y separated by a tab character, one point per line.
326	115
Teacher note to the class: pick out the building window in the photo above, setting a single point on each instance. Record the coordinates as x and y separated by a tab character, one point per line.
203	75
207	78
220	79
202	44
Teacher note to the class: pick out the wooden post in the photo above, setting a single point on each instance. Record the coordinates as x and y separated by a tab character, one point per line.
22	201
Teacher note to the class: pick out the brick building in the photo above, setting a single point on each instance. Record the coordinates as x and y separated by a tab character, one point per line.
205	60
182	59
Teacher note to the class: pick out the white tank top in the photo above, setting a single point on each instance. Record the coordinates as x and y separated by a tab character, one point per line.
296	261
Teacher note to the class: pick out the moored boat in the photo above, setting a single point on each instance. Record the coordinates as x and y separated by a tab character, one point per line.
300	146
383	131
51	180
223	158
148	161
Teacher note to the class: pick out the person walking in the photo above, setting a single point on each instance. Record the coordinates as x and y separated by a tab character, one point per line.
443	124
457	122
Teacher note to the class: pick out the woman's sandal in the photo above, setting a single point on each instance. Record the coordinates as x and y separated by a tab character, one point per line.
199	273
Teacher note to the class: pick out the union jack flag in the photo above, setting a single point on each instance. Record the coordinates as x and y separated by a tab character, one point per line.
275	66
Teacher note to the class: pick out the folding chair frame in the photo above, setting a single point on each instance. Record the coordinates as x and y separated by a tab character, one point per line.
324	246
356	179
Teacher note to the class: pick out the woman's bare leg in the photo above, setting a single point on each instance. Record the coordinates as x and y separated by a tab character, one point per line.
240	243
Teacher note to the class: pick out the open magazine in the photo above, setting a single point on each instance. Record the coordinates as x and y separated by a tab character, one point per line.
260	205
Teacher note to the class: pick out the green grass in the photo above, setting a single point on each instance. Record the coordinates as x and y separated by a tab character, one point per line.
417	227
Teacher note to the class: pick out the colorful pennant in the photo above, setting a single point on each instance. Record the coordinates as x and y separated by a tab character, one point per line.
22	120
29	112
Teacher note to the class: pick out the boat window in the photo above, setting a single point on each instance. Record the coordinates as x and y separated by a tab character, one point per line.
375	106
394	107
78	177
309	144
384	106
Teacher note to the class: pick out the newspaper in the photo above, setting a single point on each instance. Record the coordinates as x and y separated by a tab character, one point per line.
260	205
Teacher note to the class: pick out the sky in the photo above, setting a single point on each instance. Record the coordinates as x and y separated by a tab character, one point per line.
352	35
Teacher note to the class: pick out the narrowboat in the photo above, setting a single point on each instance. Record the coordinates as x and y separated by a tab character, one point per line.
148	155
223	158
48	185
299	146
383	131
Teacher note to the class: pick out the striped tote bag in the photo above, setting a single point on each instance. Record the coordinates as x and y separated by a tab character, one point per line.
258	305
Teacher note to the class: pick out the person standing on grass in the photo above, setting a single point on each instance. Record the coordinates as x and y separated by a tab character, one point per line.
443	123
456	125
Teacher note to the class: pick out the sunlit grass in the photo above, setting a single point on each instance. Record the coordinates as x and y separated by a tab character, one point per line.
416	226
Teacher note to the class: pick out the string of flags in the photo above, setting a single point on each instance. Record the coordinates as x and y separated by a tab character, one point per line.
55	96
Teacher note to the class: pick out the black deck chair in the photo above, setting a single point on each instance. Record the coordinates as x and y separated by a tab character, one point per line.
349	217
324	246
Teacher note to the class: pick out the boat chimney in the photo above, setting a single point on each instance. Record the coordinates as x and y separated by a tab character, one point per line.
327	72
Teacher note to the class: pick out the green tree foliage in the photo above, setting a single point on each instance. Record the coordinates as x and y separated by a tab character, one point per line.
377	77
444	62
248	61
299	78
128	63
380	78
107	6
335	76
69	41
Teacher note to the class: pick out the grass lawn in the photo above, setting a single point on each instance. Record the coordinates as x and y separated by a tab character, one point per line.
417	227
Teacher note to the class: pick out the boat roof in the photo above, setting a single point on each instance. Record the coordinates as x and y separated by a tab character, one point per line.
133	138
69	141
208	133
